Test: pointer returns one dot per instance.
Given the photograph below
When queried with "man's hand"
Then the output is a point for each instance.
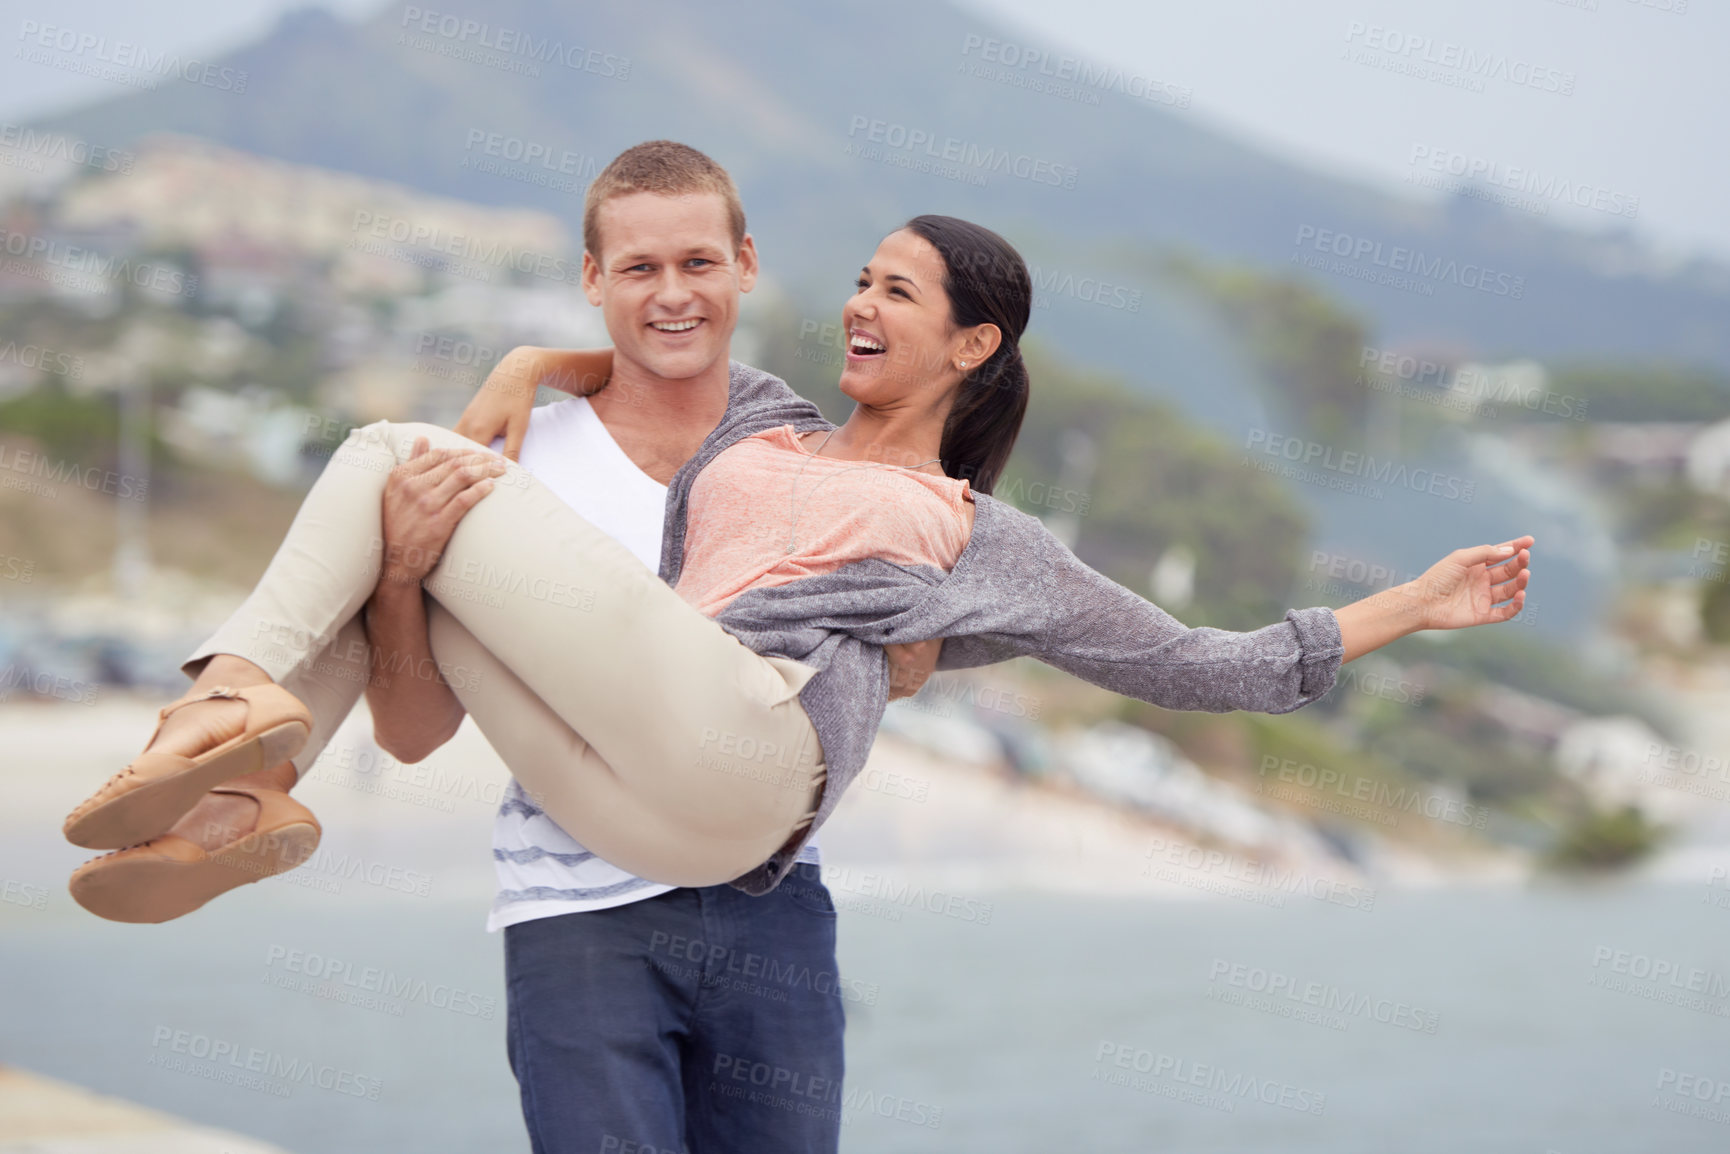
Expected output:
(910, 664)
(424, 498)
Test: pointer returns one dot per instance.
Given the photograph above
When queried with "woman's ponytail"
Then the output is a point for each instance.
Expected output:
(987, 283)
(986, 418)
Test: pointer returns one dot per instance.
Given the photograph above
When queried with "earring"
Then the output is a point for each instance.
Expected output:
(964, 364)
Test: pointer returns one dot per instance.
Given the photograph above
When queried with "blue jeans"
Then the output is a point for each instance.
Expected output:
(702, 1021)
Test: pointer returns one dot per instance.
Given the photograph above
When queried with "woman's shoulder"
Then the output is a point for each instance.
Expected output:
(1001, 520)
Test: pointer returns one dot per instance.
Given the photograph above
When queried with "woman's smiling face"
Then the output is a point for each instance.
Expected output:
(901, 339)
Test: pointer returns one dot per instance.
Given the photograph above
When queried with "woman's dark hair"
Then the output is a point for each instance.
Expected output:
(987, 283)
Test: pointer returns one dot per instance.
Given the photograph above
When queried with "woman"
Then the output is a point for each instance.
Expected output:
(699, 735)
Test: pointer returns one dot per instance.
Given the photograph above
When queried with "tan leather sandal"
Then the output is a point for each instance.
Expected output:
(146, 798)
(170, 876)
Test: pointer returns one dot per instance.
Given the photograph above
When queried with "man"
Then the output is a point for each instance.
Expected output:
(632, 1005)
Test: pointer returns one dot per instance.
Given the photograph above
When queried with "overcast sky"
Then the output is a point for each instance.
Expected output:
(1646, 117)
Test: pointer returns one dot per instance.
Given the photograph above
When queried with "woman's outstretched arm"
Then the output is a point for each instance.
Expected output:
(502, 405)
(1031, 596)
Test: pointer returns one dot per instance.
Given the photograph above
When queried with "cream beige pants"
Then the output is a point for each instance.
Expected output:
(642, 727)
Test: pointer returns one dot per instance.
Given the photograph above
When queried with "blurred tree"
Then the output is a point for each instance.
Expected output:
(1602, 840)
(1157, 482)
(1715, 611)
(1636, 392)
(1309, 345)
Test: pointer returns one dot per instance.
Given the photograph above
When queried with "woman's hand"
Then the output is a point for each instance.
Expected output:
(502, 405)
(504, 401)
(910, 665)
(1477, 586)
(424, 498)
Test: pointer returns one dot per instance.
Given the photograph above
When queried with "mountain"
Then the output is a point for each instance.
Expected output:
(841, 119)
(779, 90)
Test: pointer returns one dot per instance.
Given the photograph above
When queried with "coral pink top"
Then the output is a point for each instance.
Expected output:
(768, 511)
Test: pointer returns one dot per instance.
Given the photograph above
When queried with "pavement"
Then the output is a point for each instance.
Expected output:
(43, 1116)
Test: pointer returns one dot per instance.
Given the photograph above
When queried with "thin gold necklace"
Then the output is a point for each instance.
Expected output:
(793, 525)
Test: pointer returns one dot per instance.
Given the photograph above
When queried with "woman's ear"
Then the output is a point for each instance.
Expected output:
(978, 344)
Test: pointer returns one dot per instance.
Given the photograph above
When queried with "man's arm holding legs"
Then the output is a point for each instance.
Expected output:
(414, 710)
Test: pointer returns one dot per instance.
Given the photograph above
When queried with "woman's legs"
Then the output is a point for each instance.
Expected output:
(695, 726)
(629, 823)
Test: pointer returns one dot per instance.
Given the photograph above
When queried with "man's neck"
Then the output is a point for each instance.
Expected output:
(661, 423)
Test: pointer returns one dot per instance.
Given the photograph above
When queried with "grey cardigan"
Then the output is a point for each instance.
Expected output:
(1016, 591)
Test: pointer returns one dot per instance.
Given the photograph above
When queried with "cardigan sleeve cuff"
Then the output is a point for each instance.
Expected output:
(1320, 648)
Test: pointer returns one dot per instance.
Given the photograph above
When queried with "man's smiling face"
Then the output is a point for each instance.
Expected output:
(668, 280)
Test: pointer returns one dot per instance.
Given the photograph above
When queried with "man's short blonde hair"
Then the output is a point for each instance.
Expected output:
(665, 167)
